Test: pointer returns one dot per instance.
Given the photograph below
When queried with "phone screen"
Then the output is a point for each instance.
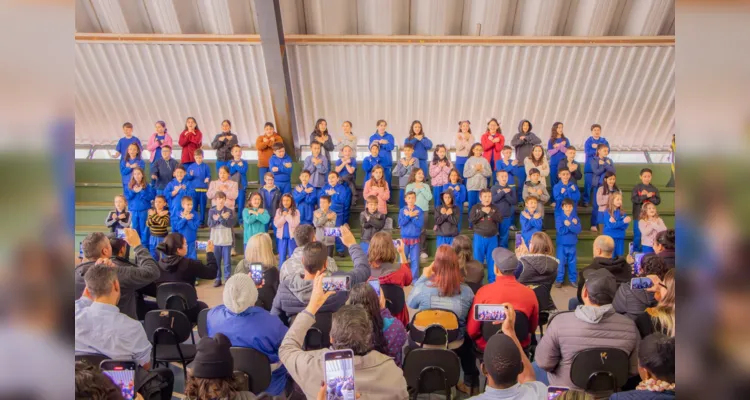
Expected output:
(332, 232)
(256, 272)
(80, 250)
(641, 283)
(201, 245)
(519, 240)
(554, 392)
(122, 374)
(120, 233)
(489, 312)
(375, 285)
(396, 243)
(638, 262)
(336, 283)
(339, 371)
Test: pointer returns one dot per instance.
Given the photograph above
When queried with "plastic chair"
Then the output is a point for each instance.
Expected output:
(255, 365)
(423, 329)
(395, 300)
(600, 369)
(431, 370)
(167, 330)
(178, 296)
(319, 335)
(203, 322)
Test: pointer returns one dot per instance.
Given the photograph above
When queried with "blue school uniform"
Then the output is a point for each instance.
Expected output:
(189, 229)
(460, 196)
(555, 158)
(421, 151)
(271, 201)
(530, 226)
(576, 175)
(500, 165)
(175, 202)
(139, 204)
(506, 204)
(283, 176)
(127, 172)
(319, 173)
(285, 244)
(597, 179)
(163, 170)
(340, 204)
(236, 168)
(566, 240)
(411, 229)
(616, 230)
(305, 202)
(588, 172)
(386, 153)
(571, 192)
(370, 162)
(345, 172)
(124, 143)
(197, 175)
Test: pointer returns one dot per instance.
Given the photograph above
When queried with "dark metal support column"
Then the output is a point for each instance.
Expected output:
(277, 70)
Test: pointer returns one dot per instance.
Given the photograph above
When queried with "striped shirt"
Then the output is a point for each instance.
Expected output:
(158, 225)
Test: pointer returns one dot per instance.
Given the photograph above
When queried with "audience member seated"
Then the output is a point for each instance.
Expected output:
(294, 293)
(92, 384)
(377, 375)
(388, 333)
(249, 326)
(604, 246)
(633, 302)
(100, 327)
(132, 277)
(595, 324)
(662, 317)
(303, 234)
(441, 286)
(508, 370)
(471, 269)
(664, 246)
(175, 267)
(382, 256)
(259, 249)
(505, 289)
(537, 265)
(211, 374)
(656, 365)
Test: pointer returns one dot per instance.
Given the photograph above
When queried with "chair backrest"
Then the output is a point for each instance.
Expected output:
(475, 286)
(319, 335)
(395, 300)
(203, 322)
(543, 294)
(255, 365)
(431, 370)
(600, 369)
(167, 327)
(91, 359)
(426, 321)
(178, 296)
(521, 327)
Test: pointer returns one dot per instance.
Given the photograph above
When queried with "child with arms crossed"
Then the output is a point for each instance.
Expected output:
(305, 197)
(372, 221)
(286, 220)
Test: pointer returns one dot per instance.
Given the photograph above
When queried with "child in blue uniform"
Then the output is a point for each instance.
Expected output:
(305, 197)
(186, 223)
(281, 167)
(411, 222)
(387, 143)
(422, 144)
(271, 196)
(505, 199)
(123, 144)
(572, 165)
(346, 167)
(372, 160)
(139, 195)
(564, 189)
(340, 203)
(591, 148)
(162, 170)
(599, 165)
(199, 174)
(568, 227)
(556, 147)
(238, 169)
(286, 220)
(318, 166)
(459, 193)
(176, 190)
(616, 224)
(531, 219)
(131, 160)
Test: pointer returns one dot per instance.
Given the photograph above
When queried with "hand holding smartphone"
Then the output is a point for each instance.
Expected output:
(554, 392)
(490, 312)
(120, 233)
(201, 245)
(122, 374)
(256, 272)
(375, 285)
(332, 232)
(338, 367)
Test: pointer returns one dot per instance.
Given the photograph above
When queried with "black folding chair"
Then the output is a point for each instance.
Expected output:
(178, 296)
(91, 359)
(319, 335)
(435, 334)
(431, 370)
(167, 330)
(600, 369)
(203, 322)
(255, 365)
(489, 329)
(395, 300)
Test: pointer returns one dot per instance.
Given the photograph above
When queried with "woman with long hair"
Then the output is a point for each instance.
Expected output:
(664, 246)
(259, 250)
(389, 334)
(382, 255)
(660, 318)
(538, 265)
(320, 134)
(422, 144)
(537, 159)
(471, 269)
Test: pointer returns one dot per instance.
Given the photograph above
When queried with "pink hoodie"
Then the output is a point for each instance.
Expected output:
(279, 220)
(153, 144)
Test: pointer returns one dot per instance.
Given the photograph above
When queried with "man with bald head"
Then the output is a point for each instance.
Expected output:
(604, 246)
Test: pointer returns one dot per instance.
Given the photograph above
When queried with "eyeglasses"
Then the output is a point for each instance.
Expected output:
(663, 285)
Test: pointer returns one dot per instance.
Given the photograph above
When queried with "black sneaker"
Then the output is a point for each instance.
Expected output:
(558, 284)
(217, 283)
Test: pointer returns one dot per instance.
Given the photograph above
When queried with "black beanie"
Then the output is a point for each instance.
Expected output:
(213, 359)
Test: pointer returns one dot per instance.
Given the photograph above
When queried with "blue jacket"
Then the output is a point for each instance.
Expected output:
(140, 201)
(571, 192)
(385, 149)
(505, 202)
(591, 152)
(284, 174)
(344, 172)
(530, 226)
(124, 143)
(197, 174)
(370, 162)
(500, 165)
(271, 199)
(420, 147)
(306, 202)
(163, 171)
(411, 227)
(459, 196)
(616, 230)
(319, 173)
(599, 170)
(188, 228)
(423, 293)
(559, 155)
(127, 172)
(175, 202)
(235, 168)
(254, 328)
(341, 200)
(575, 175)
(567, 235)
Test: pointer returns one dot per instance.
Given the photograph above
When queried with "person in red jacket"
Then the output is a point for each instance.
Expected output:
(492, 143)
(191, 139)
(505, 289)
(382, 256)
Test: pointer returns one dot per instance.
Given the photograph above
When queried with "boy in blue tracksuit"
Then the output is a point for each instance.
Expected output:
(564, 189)
(162, 170)
(271, 197)
(591, 148)
(175, 190)
(485, 218)
(569, 162)
(505, 199)
(506, 164)
(346, 167)
(411, 221)
(238, 168)
(372, 160)
(421, 147)
(122, 145)
(599, 165)
(568, 227)
(186, 223)
(340, 203)
(199, 174)
(305, 197)
(387, 143)
(318, 165)
(281, 167)
(531, 219)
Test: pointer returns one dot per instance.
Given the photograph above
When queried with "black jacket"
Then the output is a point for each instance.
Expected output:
(505, 202)
(446, 225)
(182, 269)
(619, 267)
(668, 257)
(224, 148)
(632, 302)
(485, 224)
(163, 171)
(371, 227)
(638, 200)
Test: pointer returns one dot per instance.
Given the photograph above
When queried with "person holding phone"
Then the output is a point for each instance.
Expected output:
(388, 333)
(382, 255)
(259, 252)
(660, 318)
(633, 303)
(656, 366)
(377, 375)
(303, 235)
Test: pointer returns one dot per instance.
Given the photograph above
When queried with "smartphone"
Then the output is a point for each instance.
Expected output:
(120, 233)
(519, 240)
(641, 283)
(122, 374)
(397, 243)
(631, 248)
(489, 312)
(336, 284)
(554, 392)
(256, 272)
(80, 250)
(638, 257)
(201, 245)
(338, 367)
(332, 232)
(375, 285)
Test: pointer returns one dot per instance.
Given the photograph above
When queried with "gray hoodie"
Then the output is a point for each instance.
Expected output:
(524, 147)
(293, 265)
(477, 180)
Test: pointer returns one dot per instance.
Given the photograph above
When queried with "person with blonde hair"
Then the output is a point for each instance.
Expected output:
(660, 318)
(538, 266)
(259, 250)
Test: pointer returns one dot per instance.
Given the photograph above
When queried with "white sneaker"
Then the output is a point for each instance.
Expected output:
(423, 256)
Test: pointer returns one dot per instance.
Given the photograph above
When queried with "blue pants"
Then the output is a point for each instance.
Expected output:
(199, 206)
(388, 175)
(519, 174)
(587, 186)
(191, 250)
(566, 253)
(553, 171)
(647, 249)
(473, 199)
(436, 191)
(240, 204)
(412, 252)
(619, 248)
(425, 168)
(223, 257)
(460, 163)
(138, 222)
(261, 173)
(441, 240)
(364, 246)
(154, 241)
(286, 248)
(483, 247)
(401, 200)
(220, 164)
(636, 236)
(594, 208)
(504, 230)
(284, 187)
